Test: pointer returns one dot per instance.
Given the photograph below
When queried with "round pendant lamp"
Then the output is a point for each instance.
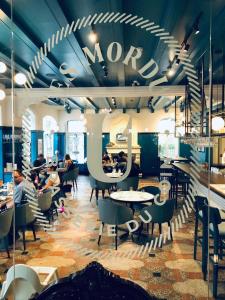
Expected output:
(217, 123)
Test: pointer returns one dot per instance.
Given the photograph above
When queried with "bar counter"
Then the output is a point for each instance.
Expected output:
(216, 181)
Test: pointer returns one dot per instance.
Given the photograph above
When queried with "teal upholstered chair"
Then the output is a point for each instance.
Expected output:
(45, 204)
(5, 223)
(24, 218)
(160, 214)
(113, 214)
(128, 183)
(98, 186)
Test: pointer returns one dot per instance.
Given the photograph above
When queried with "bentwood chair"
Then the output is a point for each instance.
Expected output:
(113, 214)
(24, 218)
(5, 223)
(128, 183)
(160, 214)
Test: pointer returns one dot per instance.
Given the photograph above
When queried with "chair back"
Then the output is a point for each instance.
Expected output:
(45, 201)
(160, 213)
(93, 183)
(103, 185)
(68, 176)
(5, 222)
(75, 173)
(22, 280)
(154, 190)
(23, 215)
(113, 214)
(127, 183)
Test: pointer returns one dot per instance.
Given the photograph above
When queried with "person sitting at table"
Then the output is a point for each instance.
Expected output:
(106, 158)
(19, 195)
(135, 169)
(68, 163)
(39, 161)
(52, 180)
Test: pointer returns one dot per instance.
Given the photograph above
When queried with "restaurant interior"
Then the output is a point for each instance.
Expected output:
(112, 149)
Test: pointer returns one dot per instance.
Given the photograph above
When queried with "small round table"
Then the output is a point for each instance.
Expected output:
(114, 174)
(131, 196)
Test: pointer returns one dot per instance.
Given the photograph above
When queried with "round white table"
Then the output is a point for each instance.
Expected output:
(114, 174)
(131, 196)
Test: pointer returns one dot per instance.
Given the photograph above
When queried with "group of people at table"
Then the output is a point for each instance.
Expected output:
(119, 164)
(43, 176)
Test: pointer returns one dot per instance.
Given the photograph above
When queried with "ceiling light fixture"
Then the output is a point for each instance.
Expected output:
(170, 72)
(93, 37)
(2, 95)
(3, 67)
(197, 30)
(217, 123)
(20, 78)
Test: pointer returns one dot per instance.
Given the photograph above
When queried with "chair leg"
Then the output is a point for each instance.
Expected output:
(76, 183)
(24, 240)
(153, 227)
(215, 279)
(92, 191)
(196, 237)
(103, 194)
(99, 237)
(160, 228)
(171, 235)
(34, 233)
(116, 231)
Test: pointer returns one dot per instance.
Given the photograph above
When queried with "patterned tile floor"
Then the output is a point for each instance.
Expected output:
(168, 272)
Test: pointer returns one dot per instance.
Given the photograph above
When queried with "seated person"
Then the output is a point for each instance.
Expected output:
(69, 165)
(106, 158)
(122, 157)
(19, 187)
(52, 180)
(39, 161)
(135, 169)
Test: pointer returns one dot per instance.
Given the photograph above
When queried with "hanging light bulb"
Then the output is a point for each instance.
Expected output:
(93, 37)
(3, 67)
(20, 78)
(217, 123)
(2, 95)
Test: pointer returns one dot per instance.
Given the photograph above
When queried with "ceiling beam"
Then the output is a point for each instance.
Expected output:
(58, 12)
(94, 92)
(96, 107)
(19, 65)
(24, 38)
(76, 103)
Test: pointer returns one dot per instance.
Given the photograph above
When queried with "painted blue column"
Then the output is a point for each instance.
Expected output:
(35, 136)
(105, 140)
(59, 143)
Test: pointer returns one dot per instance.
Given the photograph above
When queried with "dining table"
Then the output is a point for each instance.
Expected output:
(131, 197)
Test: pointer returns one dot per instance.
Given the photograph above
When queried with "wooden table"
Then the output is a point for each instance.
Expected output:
(216, 181)
(184, 167)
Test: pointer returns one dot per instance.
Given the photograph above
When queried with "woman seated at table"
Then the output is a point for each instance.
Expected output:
(135, 169)
(52, 180)
(68, 163)
(106, 163)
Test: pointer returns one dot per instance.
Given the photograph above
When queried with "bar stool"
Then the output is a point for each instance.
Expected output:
(200, 216)
(181, 185)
